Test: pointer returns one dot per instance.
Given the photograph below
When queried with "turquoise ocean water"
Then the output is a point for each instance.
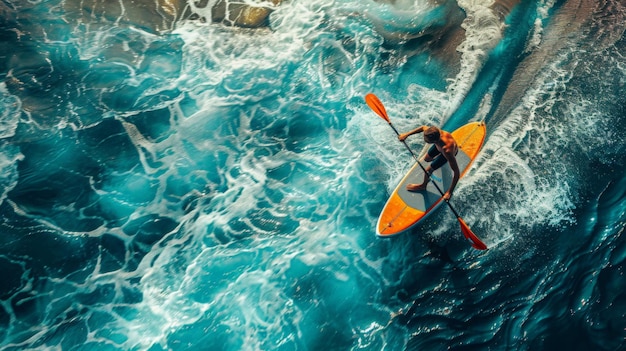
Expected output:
(198, 186)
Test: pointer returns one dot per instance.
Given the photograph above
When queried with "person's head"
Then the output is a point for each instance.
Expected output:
(431, 135)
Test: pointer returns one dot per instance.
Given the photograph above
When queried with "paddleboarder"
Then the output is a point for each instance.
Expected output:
(443, 150)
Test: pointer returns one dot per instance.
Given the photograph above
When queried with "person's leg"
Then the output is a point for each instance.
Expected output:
(423, 185)
(432, 154)
(438, 162)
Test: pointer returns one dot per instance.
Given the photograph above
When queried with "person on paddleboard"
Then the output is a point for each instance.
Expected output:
(443, 151)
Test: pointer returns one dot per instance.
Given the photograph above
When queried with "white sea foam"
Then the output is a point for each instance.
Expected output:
(201, 269)
(536, 35)
(10, 110)
(483, 31)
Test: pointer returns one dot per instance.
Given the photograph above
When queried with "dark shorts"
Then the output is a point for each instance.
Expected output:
(438, 159)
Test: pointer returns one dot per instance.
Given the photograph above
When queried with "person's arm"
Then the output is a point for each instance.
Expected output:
(456, 174)
(403, 136)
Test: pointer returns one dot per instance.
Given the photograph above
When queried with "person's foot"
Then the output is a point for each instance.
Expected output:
(416, 187)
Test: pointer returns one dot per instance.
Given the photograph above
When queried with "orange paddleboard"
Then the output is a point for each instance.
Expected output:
(404, 209)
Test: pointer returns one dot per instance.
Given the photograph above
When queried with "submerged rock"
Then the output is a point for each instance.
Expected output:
(503, 7)
(163, 15)
(151, 15)
(242, 14)
(436, 29)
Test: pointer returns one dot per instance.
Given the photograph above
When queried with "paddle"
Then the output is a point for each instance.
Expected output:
(377, 106)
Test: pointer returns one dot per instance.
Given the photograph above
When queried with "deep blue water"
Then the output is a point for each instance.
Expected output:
(210, 187)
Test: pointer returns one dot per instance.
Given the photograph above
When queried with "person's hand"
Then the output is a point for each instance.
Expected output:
(447, 196)
(402, 136)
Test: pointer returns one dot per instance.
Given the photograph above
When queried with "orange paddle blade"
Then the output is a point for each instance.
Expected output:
(467, 232)
(374, 103)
